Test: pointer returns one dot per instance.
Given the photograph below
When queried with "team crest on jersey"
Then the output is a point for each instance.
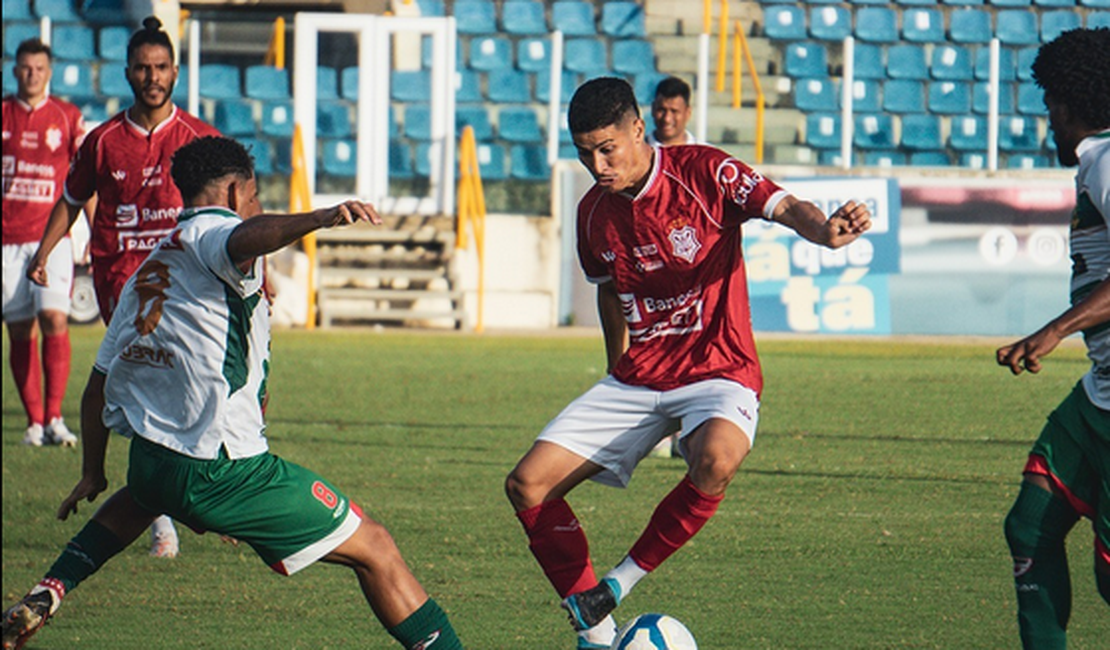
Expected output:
(684, 243)
(53, 138)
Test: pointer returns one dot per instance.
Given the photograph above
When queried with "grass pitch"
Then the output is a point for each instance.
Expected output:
(869, 514)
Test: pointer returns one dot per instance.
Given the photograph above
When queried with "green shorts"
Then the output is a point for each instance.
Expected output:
(290, 516)
(1073, 451)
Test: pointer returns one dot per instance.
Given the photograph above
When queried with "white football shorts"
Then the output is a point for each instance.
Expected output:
(23, 299)
(616, 425)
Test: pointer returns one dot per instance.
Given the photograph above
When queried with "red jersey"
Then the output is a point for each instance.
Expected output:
(39, 142)
(128, 168)
(674, 255)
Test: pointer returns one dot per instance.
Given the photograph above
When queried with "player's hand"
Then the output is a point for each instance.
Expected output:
(36, 272)
(846, 224)
(1026, 354)
(349, 212)
(88, 488)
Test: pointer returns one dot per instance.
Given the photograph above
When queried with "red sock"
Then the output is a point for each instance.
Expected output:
(677, 518)
(557, 540)
(55, 363)
(27, 372)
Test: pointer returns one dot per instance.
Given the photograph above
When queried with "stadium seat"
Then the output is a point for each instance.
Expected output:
(1030, 99)
(94, 112)
(868, 61)
(1018, 133)
(476, 117)
(476, 16)
(877, 25)
(568, 81)
(1027, 161)
(418, 122)
(234, 117)
(806, 59)
(962, 3)
(874, 132)
(951, 63)
(327, 83)
(72, 79)
(573, 18)
(17, 10)
(74, 42)
(1097, 19)
(1097, 4)
(180, 89)
(786, 22)
(823, 131)
(267, 82)
(950, 97)
(277, 119)
(529, 163)
(633, 56)
(102, 12)
(339, 158)
(423, 167)
(980, 98)
(491, 53)
(1006, 64)
(929, 159)
(906, 62)
(468, 87)
(568, 152)
(519, 124)
(283, 156)
(1054, 3)
(623, 19)
(914, 3)
(426, 47)
(411, 86)
(431, 7)
(59, 11)
(970, 26)
(219, 81)
(10, 85)
(1054, 23)
(263, 153)
(868, 2)
(491, 162)
(865, 96)
(829, 23)
(904, 96)
(533, 54)
(884, 159)
(508, 87)
(523, 17)
(113, 81)
(923, 26)
(1017, 27)
(921, 132)
(112, 43)
(973, 160)
(585, 55)
(1011, 3)
(400, 161)
(16, 33)
(829, 157)
(333, 120)
(814, 94)
(968, 133)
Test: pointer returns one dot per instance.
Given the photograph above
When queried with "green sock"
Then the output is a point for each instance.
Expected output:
(1035, 529)
(425, 626)
(86, 552)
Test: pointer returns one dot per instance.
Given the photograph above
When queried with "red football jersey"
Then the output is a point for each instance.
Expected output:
(128, 168)
(674, 255)
(39, 142)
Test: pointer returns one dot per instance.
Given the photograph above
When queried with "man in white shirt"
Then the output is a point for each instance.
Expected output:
(670, 110)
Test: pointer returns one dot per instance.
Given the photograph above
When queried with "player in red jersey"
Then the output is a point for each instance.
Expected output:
(41, 134)
(659, 234)
(125, 163)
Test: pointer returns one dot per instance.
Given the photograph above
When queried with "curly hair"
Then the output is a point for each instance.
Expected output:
(150, 34)
(209, 159)
(1074, 69)
(599, 103)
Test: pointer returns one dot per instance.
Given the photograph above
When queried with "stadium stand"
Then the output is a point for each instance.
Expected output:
(491, 53)
(74, 42)
(806, 59)
(475, 16)
(786, 22)
(969, 26)
(906, 62)
(112, 43)
(529, 163)
(814, 94)
(573, 18)
(476, 117)
(523, 17)
(623, 19)
(633, 56)
(904, 96)
(829, 23)
(219, 81)
(533, 54)
(17, 10)
(508, 87)
(267, 82)
(877, 25)
(823, 130)
(923, 26)
(59, 11)
(874, 132)
(234, 118)
(519, 124)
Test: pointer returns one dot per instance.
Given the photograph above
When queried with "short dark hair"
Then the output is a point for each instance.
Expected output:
(599, 103)
(209, 159)
(151, 33)
(33, 46)
(1074, 69)
(673, 87)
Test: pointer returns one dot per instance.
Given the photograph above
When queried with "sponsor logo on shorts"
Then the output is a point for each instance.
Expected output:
(147, 356)
(744, 412)
(1022, 566)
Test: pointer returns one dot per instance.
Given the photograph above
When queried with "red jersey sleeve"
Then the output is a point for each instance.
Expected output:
(745, 192)
(80, 182)
(595, 268)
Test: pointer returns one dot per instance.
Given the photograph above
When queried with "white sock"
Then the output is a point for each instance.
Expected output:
(162, 527)
(627, 574)
(603, 633)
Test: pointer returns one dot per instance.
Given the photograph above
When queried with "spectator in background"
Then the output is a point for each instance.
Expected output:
(670, 110)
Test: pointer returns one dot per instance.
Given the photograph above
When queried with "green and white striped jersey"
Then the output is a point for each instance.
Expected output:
(1090, 254)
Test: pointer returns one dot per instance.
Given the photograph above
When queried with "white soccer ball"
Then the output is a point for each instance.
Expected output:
(654, 632)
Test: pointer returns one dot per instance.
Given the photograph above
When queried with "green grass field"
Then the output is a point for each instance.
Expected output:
(869, 514)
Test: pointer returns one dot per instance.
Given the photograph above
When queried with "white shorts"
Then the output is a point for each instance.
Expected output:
(23, 299)
(616, 425)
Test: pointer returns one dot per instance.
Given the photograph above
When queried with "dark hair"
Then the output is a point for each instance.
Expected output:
(33, 46)
(1074, 69)
(599, 103)
(209, 159)
(673, 87)
(150, 34)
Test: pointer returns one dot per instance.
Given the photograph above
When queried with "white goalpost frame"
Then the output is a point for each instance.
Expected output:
(375, 65)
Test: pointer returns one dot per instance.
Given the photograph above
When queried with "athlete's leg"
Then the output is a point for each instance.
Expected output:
(27, 371)
(55, 359)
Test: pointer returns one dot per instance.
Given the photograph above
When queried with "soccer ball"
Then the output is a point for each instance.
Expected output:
(654, 632)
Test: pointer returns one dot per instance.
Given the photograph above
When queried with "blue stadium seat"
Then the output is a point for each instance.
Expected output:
(411, 86)
(468, 87)
(94, 111)
(865, 96)
(970, 26)
(1097, 4)
(431, 7)
(59, 11)
(913, 3)
(623, 19)
(929, 159)
(806, 59)
(533, 54)
(573, 18)
(423, 167)
(829, 23)
(1054, 23)
(868, 2)
(951, 63)
(829, 157)
(508, 87)
(633, 56)
(418, 122)
(973, 160)
(644, 86)
(219, 81)
(814, 94)
(568, 152)
(786, 22)
(1011, 3)
(868, 61)
(980, 98)
(17, 10)
(877, 25)
(74, 42)
(923, 26)
(529, 163)
(16, 33)
(112, 43)
(283, 156)
(1018, 133)
(1054, 3)
(474, 116)
(519, 124)
(333, 120)
(921, 132)
(491, 53)
(1030, 99)
(823, 130)
(950, 97)
(72, 79)
(234, 117)
(113, 81)
(1006, 64)
(267, 82)
(904, 96)
(339, 158)
(961, 3)
(874, 132)
(263, 153)
(1017, 27)
(327, 83)
(884, 159)
(180, 89)
(277, 119)
(491, 162)
(523, 17)
(585, 55)
(426, 46)
(476, 16)
(968, 133)
(1027, 161)
(568, 81)
(400, 160)
(1097, 19)
(10, 85)
(1025, 58)
(103, 12)
(906, 62)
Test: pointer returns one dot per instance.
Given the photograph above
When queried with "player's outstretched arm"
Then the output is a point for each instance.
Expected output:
(614, 327)
(1026, 354)
(266, 233)
(840, 229)
(61, 220)
(94, 447)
